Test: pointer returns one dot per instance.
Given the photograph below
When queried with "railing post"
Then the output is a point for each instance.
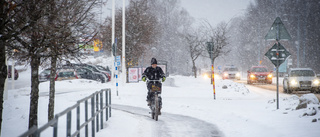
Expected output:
(101, 109)
(78, 119)
(92, 116)
(97, 109)
(69, 124)
(107, 109)
(109, 103)
(55, 127)
(86, 117)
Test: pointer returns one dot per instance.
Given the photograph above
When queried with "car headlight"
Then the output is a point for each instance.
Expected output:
(316, 82)
(238, 75)
(270, 76)
(205, 75)
(225, 74)
(252, 76)
(293, 82)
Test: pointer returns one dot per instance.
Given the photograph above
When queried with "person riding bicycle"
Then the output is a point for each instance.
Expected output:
(153, 73)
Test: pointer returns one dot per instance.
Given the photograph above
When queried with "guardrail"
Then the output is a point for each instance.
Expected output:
(98, 105)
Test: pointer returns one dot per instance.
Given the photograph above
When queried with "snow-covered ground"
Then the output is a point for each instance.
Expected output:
(188, 109)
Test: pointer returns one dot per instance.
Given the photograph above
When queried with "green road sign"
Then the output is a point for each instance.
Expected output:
(283, 33)
(281, 57)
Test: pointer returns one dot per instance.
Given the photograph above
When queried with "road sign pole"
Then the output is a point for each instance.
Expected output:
(214, 89)
(277, 39)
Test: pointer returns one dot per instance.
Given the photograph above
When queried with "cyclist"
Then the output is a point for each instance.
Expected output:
(153, 73)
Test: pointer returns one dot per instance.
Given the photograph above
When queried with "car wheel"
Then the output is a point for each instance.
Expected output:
(289, 91)
(99, 79)
(248, 82)
(285, 89)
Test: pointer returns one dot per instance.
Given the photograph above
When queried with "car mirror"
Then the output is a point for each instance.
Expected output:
(248, 71)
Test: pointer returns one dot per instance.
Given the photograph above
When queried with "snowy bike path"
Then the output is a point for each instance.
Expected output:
(138, 120)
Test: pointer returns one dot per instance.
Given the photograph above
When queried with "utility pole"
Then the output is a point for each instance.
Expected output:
(124, 70)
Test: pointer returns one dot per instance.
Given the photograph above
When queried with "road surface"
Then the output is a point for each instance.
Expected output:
(273, 87)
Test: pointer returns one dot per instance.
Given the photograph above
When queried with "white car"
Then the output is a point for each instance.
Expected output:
(231, 72)
(301, 79)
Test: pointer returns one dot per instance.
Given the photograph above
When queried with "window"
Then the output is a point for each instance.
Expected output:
(302, 73)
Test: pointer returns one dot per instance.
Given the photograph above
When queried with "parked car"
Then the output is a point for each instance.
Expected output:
(301, 79)
(66, 74)
(100, 68)
(259, 74)
(231, 72)
(45, 75)
(16, 74)
(90, 74)
(96, 69)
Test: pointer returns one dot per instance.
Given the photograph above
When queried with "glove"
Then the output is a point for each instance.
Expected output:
(163, 79)
(144, 79)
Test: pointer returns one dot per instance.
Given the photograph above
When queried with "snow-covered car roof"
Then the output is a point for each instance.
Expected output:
(301, 69)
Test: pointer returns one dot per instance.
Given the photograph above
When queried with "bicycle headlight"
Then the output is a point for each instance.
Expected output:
(293, 82)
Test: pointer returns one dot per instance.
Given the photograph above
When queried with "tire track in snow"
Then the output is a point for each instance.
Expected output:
(172, 124)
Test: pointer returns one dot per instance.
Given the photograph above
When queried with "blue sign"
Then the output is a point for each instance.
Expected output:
(118, 58)
(117, 63)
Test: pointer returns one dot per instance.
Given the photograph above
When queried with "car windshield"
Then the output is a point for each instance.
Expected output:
(66, 74)
(47, 71)
(233, 69)
(102, 68)
(259, 70)
(302, 73)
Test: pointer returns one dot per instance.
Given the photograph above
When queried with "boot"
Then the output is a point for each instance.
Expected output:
(159, 111)
(149, 102)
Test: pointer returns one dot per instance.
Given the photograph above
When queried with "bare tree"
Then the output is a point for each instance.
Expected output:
(67, 22)
(218, 36)
(13, 22)
(195, 44)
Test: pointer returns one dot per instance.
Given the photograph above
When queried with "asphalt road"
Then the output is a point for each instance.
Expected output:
(273, 87)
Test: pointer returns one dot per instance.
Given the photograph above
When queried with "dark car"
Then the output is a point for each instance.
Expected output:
(16, 74)
(44, 75)
(66, 74)
(86, 73)
(259, 74)
(96, 69)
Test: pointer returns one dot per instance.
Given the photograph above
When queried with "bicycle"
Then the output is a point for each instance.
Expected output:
(156, 101)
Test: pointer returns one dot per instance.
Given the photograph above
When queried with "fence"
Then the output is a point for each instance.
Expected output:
(96, 111)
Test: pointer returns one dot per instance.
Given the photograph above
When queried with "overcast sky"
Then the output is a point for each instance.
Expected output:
(215, 11)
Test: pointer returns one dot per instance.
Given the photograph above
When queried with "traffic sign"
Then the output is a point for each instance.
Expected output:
(277, 54)
(118, 58)
(117, 64)
(277, 28)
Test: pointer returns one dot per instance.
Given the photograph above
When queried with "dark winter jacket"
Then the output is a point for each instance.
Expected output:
(153, 74)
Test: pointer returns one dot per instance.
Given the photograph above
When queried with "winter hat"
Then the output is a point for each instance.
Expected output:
(153, 61)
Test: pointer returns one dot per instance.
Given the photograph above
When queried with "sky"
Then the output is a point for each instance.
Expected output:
(215, 11)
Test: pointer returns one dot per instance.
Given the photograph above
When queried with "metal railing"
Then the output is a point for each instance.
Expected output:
(97, 108)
